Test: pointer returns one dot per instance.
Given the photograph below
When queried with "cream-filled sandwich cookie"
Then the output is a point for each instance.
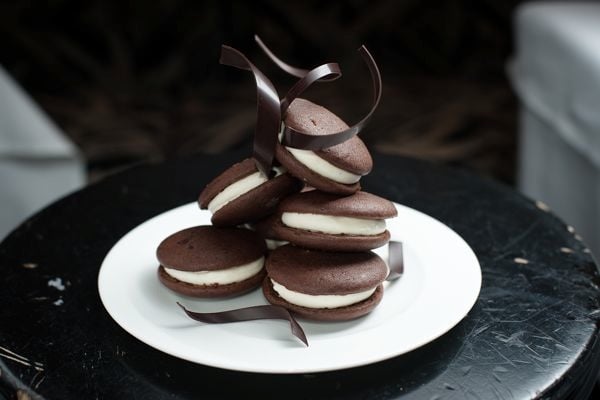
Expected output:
(336, 169)
(242, 194)
(207, 261)
(264, 228)
(325, 221)
(322, 285)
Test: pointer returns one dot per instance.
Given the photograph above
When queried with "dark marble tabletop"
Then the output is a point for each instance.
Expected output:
(533, 332)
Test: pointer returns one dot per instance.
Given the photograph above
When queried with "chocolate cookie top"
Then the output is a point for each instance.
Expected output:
(312, 119)
(226, 178)
(360, 205)
(319, 272)
(208, 248)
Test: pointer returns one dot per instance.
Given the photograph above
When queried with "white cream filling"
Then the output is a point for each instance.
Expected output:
(333, 225)
(323, 167)
(220, 277)
(239, 188)
(320, 300)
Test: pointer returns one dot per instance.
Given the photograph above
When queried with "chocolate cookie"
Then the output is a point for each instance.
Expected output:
(264, 228)
(335, 169)
(242, 194)
(325, 221)
(322, 285)
(206, 261)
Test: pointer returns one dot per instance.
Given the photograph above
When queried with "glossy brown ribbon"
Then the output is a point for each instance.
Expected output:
(268, 119)
(300, 140)
(395, 260)
(249, 314)
(294, 71)
(330, 70)
(325, 72)
(270, 109)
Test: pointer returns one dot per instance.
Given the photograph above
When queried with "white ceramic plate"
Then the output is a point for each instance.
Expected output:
(440, 284)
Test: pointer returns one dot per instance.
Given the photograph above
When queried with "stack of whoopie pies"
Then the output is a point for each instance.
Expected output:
(306, 233)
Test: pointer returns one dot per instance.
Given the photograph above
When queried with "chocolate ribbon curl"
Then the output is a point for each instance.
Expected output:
(249, 314)
(322, 72)
(294, 71)
(325, 72)
(268, 112)
(270, 109)
(300, 140)
(395, 260)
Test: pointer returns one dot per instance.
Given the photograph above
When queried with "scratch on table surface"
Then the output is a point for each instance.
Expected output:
(449, 386)
(515, 340)
(561, 346)
(516, 240)
(512, 339)
(543, 347)
(11, 355)
(39, 382)
(479, 330)
(37, 385)
(508, 360)
(546, 336)
(26, 363)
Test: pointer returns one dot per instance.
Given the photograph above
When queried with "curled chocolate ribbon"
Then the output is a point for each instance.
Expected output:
(270, 109)
(325, 72)
(330, 70)
(294, 71)
(268, 112)
(300, 140)
(395, 260)
(249, 314)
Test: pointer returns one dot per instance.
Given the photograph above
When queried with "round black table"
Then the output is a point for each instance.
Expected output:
(533, 332)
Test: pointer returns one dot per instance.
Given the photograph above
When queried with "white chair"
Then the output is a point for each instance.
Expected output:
(37, 162)
(556, 74)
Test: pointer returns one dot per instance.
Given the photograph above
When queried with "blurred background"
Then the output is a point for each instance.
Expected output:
(132, 82)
